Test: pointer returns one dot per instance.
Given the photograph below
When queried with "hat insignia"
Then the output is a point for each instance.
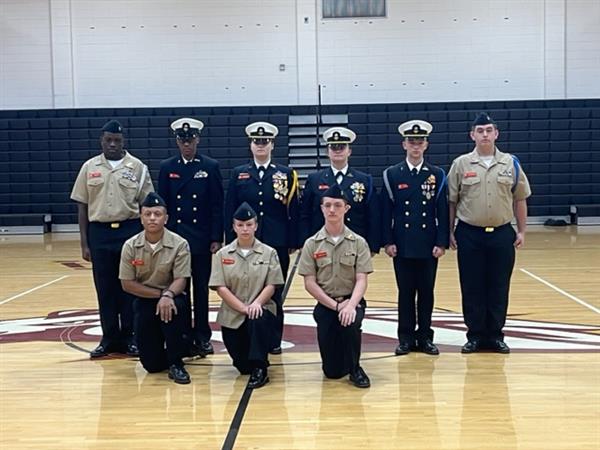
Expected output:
(416, 129)
(336, 136)
(261, 131)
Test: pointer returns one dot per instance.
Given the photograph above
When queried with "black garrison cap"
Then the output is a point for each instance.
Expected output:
(335, 192)
(153, 199)
(112, 126)
(244, 212)
(482, 119)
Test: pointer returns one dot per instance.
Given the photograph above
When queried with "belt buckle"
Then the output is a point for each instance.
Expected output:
(115, 225)
(489, 229)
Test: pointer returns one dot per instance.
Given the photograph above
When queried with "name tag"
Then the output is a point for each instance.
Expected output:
(403, 186)
(94, 174)
(137, 262)
(318, 255)
(470, 174)
(243, 176)
(174, 175)
(228, 261)
(323, 187)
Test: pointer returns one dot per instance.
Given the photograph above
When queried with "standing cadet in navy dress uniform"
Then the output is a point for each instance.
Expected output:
(364, 216)
(192, 187)
(415, 233)
(109, 190)
(272, 191)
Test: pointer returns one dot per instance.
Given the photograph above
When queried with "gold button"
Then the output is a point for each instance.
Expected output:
(424, 202)
(178, 197)
(424, 214)
(262, 213)
(424, 226)
(407, 202)
(348, 219)
(178, 220)
(194, 220)
(179, 208)
(407, 213)
(260, 193)
(260, 184)
(260, 203)
(194, 196)
(195, 209)
(406, 225)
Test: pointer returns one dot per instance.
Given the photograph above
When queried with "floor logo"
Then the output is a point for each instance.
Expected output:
(379, 331)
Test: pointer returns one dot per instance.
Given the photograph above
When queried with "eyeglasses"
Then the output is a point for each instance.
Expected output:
(338, 146)
(261, 141)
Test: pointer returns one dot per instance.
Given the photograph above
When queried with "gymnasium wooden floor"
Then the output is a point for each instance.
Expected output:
(544, 395)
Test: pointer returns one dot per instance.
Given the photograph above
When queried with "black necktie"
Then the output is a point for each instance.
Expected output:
(413, 171)
(261, 172)
(339, 177)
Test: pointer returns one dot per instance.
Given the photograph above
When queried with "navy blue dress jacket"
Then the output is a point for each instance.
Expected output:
(364, 216)
(415, 210)
(274, 198)
(194, 196)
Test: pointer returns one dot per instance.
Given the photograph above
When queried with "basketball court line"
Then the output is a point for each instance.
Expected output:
(29, 291)
(560, 291)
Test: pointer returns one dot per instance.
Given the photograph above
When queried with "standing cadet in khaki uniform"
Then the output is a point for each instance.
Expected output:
(245, 274)
(487, 188)
(335, 263)
(109, 190)
(155, 268)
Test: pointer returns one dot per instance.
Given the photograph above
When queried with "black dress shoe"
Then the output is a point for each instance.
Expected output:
(132, 350)
(179, 375)
(275, 350)
(428, 347)
(207, 348)
(196, 350)
(360, 379)
(99, 352)
(258, 378)
(470, 347)
(499, 346)
(402, 349)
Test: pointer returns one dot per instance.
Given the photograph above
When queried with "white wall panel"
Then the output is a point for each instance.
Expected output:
(25, 55)
(112, 53)
(583, 48)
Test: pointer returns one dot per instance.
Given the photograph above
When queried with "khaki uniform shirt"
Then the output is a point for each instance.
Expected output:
(155, 268)
(245, 276)
(112, 195)
(483, 195)
(335, 265)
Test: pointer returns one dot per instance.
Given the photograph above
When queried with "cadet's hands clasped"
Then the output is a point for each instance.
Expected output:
(346, 313)
(254, 310)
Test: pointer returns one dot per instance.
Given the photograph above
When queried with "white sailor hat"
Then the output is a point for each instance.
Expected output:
(415, 128)
(186, 128)
(263, 130)
(339, 135)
